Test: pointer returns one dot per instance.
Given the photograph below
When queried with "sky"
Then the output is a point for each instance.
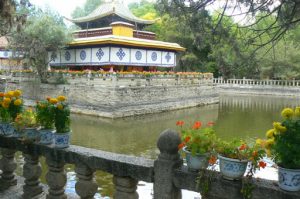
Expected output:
(65, 7)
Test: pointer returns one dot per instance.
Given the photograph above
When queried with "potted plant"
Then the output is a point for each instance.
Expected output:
(283, 146)
(61, 121)
(11, 105)
(5, 127)
(197, 144)
(235, 155)
(45, 113)
(26, 124)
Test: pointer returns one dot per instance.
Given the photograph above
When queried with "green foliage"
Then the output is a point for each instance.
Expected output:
(62, 118)
(43, 32)
(198, 140)
(89, 6)
(45, 114)
(4, 115)
(26, 119)
(286, 148)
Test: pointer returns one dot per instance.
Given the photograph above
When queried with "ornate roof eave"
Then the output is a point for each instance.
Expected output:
(108, 9)
(119, 40)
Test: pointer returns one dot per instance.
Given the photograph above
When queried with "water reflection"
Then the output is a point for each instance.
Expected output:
(235, 116)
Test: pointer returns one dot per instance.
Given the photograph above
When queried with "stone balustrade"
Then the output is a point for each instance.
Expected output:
(292, 83)
(167, 173)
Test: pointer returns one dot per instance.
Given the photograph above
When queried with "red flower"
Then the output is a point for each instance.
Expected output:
(243, 147)
(187, 139)
(181, 145)
(210, 123)
(262, 164)
(212, 160)
(179, 123)
(197, 125)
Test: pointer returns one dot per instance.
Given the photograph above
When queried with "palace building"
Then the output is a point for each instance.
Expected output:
(111, 37)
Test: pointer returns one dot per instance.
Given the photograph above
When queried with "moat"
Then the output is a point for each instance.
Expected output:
(234, 116)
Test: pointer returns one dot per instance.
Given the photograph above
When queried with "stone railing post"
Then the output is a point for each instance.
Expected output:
(8, 166)
(168, 160)
(32, 171)
(56, 179)
(125, 188)
(85, 187)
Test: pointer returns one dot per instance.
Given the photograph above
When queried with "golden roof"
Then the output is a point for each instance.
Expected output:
(128, 41)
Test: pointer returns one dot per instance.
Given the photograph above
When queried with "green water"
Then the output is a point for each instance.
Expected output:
(234, 116)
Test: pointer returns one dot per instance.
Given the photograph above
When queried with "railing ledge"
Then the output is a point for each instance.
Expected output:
(225, 189)
(117, 164)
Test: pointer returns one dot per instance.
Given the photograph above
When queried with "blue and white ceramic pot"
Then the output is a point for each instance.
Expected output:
(46, 136)
(289, 179)
(61, 140)
(232, 169)
(7, 129)
(30, 133)
(195, 162)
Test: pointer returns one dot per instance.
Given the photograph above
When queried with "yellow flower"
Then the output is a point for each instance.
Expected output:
(4, 105)
(18, 102)
(259, 141)
(279, 127)
(287, 113)
(53, 101)
(61, 98)
(60, 106)
(270, 133)
(10, 93)
(297, 111)
(269, 142)
(7, 100)
(17, 93)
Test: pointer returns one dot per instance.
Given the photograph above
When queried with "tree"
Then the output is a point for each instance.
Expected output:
(13, 15)
(287, 15)
(43, 32)
(89, 6)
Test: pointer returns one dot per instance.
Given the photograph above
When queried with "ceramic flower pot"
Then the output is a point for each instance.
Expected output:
(30, 133)
(61, 140)
(195, 162)
(289, 179)
(46, 136)
(7, 129)
(232, 169)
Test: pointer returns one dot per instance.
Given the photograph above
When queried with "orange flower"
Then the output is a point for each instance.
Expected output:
(187, 139)
(181, 145)
(212, 160)
(210, 123)
(243, 147)
(254, 154)
(48, 98)
(1, 94)
(179, 123)
(197, 125)
(262, 164)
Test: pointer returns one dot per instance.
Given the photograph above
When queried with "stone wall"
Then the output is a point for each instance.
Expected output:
(275, 90)
(118, 98)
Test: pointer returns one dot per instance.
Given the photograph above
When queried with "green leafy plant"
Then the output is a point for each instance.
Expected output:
(197, 140)
(26, 119)
(13, 102)
(45, 114)
(283, 140)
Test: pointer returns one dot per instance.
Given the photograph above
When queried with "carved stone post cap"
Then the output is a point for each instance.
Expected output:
(168, 142)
